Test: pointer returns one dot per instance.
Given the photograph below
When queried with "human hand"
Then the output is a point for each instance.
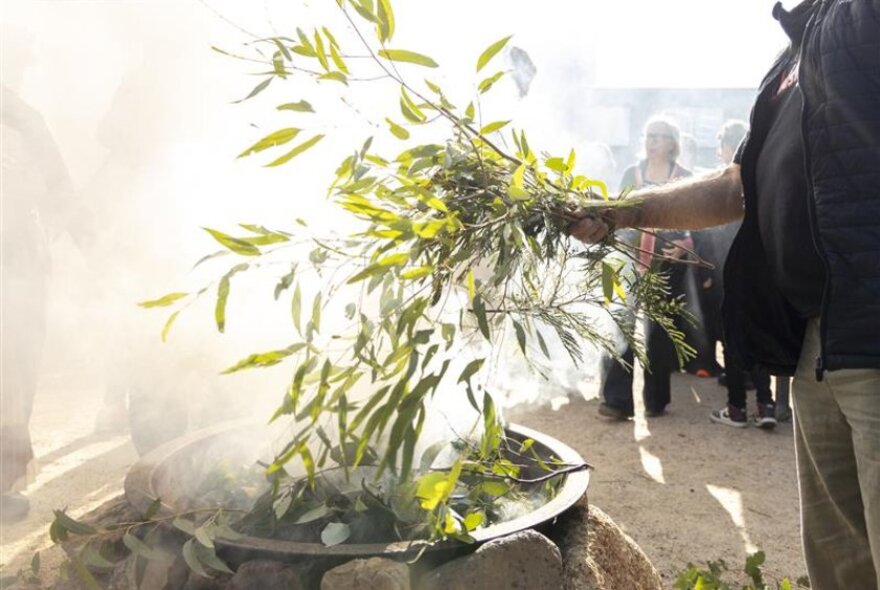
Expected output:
(676, 249)
(707, 284)
(589, 227)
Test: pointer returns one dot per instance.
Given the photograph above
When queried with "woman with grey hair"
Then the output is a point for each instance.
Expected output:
(661, 149)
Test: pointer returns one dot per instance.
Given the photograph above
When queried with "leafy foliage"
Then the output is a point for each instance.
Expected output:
(712, 578)
(460, 242)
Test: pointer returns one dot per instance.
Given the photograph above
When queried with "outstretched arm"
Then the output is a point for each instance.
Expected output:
(712, 199)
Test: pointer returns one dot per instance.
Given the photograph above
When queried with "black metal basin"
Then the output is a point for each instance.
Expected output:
(162, 474)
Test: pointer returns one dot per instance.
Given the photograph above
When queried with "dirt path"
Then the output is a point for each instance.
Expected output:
(684, 488)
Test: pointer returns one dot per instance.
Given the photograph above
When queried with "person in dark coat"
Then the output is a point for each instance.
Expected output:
(802, 280)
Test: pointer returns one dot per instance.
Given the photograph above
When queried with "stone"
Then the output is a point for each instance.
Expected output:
(526, 561)
(261, 574)
(597, 555)
(376, 573)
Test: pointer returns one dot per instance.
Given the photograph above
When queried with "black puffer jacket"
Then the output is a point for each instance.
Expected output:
(838, 45)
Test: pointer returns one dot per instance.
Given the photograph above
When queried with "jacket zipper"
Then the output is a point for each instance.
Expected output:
(811, 208)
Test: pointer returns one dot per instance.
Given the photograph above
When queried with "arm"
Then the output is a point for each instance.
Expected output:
(712, 199)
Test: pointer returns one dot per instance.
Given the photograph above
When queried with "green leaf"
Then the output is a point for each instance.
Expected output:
(257, 89)
(192, 559)
(264, 359)
(300, 107)
(316, 312)
(494, 488)
(168, 324)
(296, 308)
(491, 51)
(203, 536)
(163, 301)
(74, 526)
(542, 344)
(223, 296)
(335, 77)
(607, 282)
(335, 533)
(409, 114)
(402, 55)
(433, 489)
(307, 49)
(517, 190)
(236, 245)
(386, 20)
(416, 273)
(185, 525)
(557, 164)
(337, 60)
(365, 10)
(471, 369)
(314, 514)
(280, 45)
(319, 49)
(520, 336)
(474, 520)
(285, 282)
(83, 573)
(35, 563)
(91, 557)
(138, 547)
(153, 509)
(398, 259)
(209, 558)
(485, 85)
(296, 151)
(480, 312)
(398, 131)
(492, 127)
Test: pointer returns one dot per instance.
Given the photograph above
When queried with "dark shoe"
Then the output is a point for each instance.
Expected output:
(14, 507)
(766, 417)
(655, 413)
(612, 413)
(730, 416)
(722, 379)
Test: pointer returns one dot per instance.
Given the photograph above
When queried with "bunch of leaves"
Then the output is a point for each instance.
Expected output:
(95, 552)
(462, 241)
(712, 577)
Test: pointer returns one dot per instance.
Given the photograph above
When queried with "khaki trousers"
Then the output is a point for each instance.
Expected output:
(837, 443)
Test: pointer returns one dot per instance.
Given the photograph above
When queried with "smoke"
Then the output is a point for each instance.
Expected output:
(139, 110)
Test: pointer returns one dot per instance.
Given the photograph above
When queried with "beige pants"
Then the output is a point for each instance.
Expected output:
(837, 442)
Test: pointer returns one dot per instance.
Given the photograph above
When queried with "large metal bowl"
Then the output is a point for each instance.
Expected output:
(158, 475)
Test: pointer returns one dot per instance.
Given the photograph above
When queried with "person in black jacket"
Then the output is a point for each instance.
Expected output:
(802, 279)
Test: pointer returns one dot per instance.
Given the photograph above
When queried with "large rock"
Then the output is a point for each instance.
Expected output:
(375, 573)
(526, 561)
(597, 555)
(261, 574)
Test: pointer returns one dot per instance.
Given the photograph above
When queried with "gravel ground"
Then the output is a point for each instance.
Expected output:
(686, 489)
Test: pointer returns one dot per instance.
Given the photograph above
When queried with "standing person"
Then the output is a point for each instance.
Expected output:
(658, 167)
(713, 245)
(35, 201)
(802, 280)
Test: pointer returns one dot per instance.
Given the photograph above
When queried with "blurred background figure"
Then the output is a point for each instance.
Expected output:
(36, 204)
(689, 152)
(659, 166)
(713, 245)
